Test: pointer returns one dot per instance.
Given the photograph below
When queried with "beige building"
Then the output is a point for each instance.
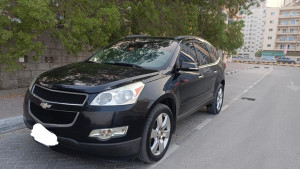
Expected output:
(253, 31)
(282, 33)
(271, 24)
(290, 2)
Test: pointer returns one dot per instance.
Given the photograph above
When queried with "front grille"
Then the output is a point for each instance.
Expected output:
(59, 97)
(52, 116)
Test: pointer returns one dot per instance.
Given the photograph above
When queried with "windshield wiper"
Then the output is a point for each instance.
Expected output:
(123, 64)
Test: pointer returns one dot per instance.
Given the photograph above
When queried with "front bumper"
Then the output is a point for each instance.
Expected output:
(90, 118)
(113, 149)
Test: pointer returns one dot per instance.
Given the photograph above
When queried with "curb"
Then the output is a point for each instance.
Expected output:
(11, 123)
(268, 63)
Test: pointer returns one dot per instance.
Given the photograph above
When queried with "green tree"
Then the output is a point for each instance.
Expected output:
(91, 24)
(79, 25)
(258, 53)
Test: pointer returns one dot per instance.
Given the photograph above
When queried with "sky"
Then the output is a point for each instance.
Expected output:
(274, 3)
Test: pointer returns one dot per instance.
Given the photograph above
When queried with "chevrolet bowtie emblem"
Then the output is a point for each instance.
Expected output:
(45, 105)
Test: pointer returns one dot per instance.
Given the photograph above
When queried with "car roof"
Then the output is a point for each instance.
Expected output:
(177, 38)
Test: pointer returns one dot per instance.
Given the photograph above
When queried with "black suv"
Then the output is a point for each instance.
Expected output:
(285, 60)
(126, 99)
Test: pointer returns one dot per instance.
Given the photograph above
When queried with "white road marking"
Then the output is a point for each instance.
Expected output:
(203, 124)
(225, 107)
(170, 151)
(293, 87)
(254, 84)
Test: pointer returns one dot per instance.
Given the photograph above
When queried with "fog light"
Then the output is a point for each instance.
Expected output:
(106, 134)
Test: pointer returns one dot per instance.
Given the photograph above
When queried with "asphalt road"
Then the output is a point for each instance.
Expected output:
(247, 134)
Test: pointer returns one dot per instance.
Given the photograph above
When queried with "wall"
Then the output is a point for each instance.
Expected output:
(54, 56)
(268, 25)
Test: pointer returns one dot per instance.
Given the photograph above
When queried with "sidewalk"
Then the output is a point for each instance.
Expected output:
(11, 102)
(11, 109)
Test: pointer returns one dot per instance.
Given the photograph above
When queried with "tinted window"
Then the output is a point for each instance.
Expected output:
(214, 54)
(148, 53)
(202, 53)
(188, 48)
(183, 57)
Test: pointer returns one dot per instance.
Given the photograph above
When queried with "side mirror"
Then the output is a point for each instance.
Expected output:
(189, 66)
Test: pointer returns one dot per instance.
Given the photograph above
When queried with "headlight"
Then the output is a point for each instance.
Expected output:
(32, 83)
(120, 96)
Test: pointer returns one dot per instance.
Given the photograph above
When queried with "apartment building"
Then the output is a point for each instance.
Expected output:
(290, 2)
(282, 32)
(253, 31)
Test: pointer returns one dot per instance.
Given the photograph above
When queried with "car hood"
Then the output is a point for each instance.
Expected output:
(92, 77)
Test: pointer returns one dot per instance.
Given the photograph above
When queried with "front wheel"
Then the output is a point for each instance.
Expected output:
(157, 134)
(216, 106)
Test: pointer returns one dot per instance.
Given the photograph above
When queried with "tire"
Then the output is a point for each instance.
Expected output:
(216, 106)
(159, 143)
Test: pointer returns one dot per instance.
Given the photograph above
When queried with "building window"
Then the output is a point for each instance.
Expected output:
(293, 22)
(282, 38)
(270, 30)
(285, 22)
(272, 13)
(281, 46)
(269, 45)
(284, 30)
(292, 30)
(291, 38)
(294, 13)
(286, 13)
(270, 37)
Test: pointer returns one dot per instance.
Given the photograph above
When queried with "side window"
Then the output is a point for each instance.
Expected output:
(188, 48)
(218, 54)
(183, 57)
(214, 54)
(202, 53)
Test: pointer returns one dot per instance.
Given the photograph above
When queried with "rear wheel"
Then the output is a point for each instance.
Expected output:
(217, 104)
(157, 134)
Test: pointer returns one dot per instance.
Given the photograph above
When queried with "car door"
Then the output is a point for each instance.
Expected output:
(207, 67)
(190, 82)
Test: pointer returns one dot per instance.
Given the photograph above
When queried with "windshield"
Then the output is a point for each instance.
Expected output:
(145, 53)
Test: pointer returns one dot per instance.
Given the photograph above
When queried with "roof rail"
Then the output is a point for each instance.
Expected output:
(137, 36)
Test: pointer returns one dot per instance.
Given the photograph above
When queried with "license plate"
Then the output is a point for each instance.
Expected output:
(43, 136)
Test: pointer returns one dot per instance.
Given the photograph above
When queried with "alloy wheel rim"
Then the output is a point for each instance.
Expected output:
(220, 99)
(160, 134)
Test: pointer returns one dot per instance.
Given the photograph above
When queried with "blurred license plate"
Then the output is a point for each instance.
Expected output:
(43, 136)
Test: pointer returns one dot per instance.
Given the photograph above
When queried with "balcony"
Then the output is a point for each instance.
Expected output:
(289, 16)
(288, 41)
(290, 49)
(295, 32)
(288, 25)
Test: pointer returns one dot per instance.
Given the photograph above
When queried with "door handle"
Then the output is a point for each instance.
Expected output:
(215, 72)
(200, 76)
